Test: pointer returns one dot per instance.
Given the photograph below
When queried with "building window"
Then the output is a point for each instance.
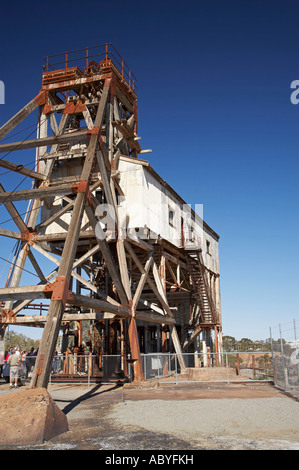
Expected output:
(171, 217)
(191, 233)
(208, 247)
(100, 196)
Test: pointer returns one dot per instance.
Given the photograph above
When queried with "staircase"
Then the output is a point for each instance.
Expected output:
(200, 287)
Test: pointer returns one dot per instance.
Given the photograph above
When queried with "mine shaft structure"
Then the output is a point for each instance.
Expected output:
(103, 273)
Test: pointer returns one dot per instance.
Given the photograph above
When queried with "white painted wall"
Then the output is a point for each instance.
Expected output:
(147, 204)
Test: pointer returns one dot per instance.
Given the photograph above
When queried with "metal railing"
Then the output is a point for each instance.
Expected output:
(82, 58)
(200, 367)
(209, 367)
(87, 368)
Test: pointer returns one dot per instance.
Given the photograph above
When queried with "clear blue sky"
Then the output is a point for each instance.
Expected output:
(214, 105)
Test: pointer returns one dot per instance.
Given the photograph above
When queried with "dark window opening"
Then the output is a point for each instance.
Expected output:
(171, 217)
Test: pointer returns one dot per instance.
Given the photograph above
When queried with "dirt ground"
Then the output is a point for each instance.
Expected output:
(189, 417)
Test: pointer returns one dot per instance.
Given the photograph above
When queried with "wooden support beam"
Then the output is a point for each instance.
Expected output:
(55, 216)
(86, 255)
(22, 293)
(32, 218)
(160, 289)
(122, 261)
(153, 306)
(34, 320)
(175, 260)
(77, 276)
(74, 137)
(148, 279)
(10, 234)
(22, 114)
(37, 193)
(21, 169)
(20, 305)
(173, 331)
(104, 176)
(142, 280)
(97, 304)
(154, 318)
(36, 266)
(171, 272)
(18, 270)
(40, 377)
(192, 338)
(51, 237)
(106, 252)
(13, 212)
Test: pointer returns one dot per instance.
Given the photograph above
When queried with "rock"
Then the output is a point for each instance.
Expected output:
(30, 417)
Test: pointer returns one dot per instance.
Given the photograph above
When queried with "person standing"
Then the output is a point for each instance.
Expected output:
(14, 361)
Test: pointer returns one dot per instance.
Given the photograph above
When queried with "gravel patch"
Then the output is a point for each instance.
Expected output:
(186, 418)
(268, 418)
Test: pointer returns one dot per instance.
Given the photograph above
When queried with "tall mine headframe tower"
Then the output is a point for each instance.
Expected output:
(128, 254)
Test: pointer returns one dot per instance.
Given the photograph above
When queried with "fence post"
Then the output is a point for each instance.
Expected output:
(238, 363)
(176, 369)
(273, 358)
(285, 376)
(296, 348)
(89, 367)
(144, 365)
(227, 374)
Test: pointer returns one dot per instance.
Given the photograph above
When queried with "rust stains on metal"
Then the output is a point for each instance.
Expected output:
(58, 290)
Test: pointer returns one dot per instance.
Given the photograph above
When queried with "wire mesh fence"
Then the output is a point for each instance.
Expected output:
(285, 355)
(208, 367)
(167, 367)
(279, 365)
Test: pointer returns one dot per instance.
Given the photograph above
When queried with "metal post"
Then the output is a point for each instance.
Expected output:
(283, 361)
(238, 363)
(296, 346)
(144, 365)
(176, 368)
(227, 374)
(273, 358)
(89, 367)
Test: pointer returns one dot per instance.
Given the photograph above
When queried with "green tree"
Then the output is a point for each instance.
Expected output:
(229, 343)
(245, 344)
(13, 339)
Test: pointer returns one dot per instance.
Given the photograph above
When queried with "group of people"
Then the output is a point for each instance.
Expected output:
(19, 364)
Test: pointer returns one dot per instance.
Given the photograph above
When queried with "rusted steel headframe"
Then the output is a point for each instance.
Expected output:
(67, 90)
